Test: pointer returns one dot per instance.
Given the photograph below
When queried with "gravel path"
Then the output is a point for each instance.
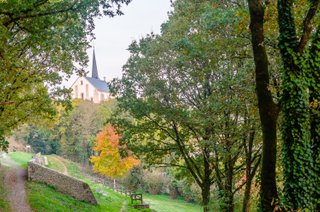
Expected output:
(15, 182)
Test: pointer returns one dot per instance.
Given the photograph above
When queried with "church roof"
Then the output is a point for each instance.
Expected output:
(98, 84)
(94, 80)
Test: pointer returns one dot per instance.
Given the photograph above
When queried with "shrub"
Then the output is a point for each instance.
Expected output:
(184, 189)
(155, 181)
(173, 189)
(196, 191)
(133, 180)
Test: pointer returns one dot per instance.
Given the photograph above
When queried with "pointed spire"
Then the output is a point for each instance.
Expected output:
(94, 66)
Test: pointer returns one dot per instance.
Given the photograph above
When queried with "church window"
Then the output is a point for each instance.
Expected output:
(76, 91)
(87, 91)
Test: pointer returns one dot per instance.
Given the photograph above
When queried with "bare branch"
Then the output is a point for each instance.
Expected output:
(307, 25)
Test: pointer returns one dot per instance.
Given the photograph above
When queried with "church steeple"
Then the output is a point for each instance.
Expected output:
(94, 66)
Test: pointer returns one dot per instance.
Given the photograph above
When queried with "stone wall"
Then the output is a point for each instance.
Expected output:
(63, 183)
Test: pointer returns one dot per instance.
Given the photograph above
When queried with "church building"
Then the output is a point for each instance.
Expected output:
(91, 88)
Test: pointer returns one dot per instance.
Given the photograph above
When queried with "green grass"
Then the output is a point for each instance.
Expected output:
(74, 171)
(21, 158)
(4, 204)
(53, 163)
(45, 198)
(163, 203)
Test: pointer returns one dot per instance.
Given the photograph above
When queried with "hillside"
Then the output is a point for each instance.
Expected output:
(44, 198)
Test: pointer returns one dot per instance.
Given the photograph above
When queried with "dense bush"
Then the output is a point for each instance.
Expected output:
(133, 181)
(42, 140)
(173, 189)
(155, 181)
(184, 188)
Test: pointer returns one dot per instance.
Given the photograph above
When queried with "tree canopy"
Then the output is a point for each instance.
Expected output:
(189, 101)
(41, 42)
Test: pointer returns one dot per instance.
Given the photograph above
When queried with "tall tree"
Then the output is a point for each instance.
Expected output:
(41, 42)
(268, 109)
(79, 127)
(300, 128)
(185, 95)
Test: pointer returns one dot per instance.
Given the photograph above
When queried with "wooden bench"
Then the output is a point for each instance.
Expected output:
(138, 197)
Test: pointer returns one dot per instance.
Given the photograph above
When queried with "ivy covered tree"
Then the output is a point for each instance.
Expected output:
(299, 46)
(41, 42)
(298, 25)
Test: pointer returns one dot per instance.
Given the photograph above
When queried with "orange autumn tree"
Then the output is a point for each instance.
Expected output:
(109, 161)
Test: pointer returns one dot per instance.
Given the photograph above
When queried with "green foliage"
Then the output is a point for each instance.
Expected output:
(42, 140)
(42, 42)
(155, 181)
(78, 129)
(133, 179)
(300, 92)
(69, 133)
(4, 204)
(184, 188)
(4, 144)
(187, 101)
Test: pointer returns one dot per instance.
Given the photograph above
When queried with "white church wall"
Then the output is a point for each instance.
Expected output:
(83, 89)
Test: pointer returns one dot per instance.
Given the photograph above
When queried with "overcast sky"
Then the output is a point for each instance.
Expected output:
(114, 35)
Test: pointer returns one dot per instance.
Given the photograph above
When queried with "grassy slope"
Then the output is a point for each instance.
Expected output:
(4, 204)
(44, 198)
(54, 164)
(21, 158)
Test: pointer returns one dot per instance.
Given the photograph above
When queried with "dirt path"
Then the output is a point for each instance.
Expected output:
(15, 182)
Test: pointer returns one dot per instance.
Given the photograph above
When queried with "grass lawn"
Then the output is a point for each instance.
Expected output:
(45, 198)
(21, 158)
(55, 163)
(163, 203)
(4, 204)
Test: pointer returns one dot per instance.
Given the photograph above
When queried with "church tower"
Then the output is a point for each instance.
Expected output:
(91, 88)
(94, 66)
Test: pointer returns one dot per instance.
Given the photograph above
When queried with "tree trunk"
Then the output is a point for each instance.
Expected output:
(205, 193)
(297, 152)
(205, 188)
(228, 198)
(268, 110)
(246, 199)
